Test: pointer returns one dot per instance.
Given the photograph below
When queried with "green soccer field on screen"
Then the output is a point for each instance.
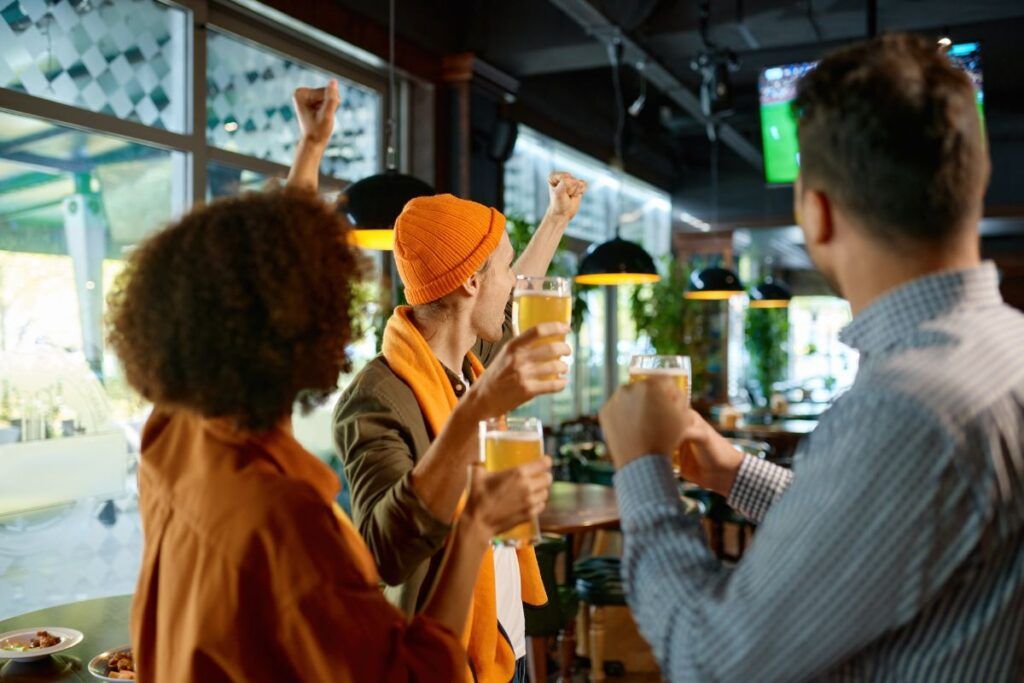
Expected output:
(777, 89)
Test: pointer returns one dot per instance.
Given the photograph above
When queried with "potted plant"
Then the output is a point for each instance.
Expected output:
(766, 333)
(677, 325)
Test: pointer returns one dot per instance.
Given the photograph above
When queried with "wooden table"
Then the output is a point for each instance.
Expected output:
(573, 509)
(783, 435)
(804, 411)
(103, 621)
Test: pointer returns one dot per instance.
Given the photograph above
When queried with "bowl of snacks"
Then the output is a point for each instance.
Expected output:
(34, 644)
(114, 665)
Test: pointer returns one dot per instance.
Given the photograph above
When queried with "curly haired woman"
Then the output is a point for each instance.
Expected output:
(250, 572)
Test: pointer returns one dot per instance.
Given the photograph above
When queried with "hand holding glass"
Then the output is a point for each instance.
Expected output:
(507, 442)
(543, 300)
(675, 367)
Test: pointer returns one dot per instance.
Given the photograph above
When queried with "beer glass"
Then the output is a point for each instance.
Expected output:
(676, 367)
(543, 300)
(509, 442)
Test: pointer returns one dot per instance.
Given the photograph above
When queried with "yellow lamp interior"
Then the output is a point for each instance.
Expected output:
(377, 240)
(617, 278)
(712, 295)
(769, 303)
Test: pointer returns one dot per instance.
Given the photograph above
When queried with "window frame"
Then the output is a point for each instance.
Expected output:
(196, 153)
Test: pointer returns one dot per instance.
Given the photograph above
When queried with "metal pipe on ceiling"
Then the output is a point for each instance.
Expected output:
(602, 29)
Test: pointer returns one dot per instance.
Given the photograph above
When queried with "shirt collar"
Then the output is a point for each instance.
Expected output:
(893, 316)
(460, 385)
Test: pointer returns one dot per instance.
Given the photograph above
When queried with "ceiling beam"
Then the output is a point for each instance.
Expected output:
(598, 26)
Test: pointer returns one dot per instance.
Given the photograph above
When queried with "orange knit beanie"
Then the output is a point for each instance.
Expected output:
(440, 241)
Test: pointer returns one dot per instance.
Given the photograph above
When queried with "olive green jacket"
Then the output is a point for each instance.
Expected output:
(380, 434)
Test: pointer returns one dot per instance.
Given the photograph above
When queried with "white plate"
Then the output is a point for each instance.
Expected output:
(98, 665)
(69, 637)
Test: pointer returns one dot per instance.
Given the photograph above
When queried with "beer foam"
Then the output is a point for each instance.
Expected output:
(513, 436)
(546, 295)
(670, 372)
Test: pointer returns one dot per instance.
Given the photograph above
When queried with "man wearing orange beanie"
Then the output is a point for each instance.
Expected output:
(406, 427)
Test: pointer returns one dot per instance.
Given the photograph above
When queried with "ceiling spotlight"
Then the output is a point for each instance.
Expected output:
(716, 91)
(713, 63)
(945, 42)
(641, 99)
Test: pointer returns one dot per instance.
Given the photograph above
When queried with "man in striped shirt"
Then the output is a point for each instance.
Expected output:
(894, 550)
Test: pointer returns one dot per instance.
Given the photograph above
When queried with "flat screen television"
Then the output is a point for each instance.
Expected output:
(777, 90)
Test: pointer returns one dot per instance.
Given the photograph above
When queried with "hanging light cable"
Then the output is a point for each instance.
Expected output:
(617, 261)
(373, 203)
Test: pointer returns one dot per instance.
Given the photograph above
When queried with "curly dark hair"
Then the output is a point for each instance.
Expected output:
(239, 309)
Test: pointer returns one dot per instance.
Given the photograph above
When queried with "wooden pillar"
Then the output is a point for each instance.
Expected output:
(471, 109)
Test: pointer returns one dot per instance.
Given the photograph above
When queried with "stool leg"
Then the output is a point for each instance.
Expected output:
(583, 628)
(537, 659)
(566, 651)
(600, 542)
(597, 643)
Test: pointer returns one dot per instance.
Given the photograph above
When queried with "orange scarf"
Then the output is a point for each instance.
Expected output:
(412, 359)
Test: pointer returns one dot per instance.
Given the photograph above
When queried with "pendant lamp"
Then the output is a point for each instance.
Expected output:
(713, 284)
(617, 261)
(373, 203)
(770, 294)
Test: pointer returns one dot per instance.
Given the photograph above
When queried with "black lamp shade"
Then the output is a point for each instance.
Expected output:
(770, 294)
(617, 262)
(713, 284)
(374, 203)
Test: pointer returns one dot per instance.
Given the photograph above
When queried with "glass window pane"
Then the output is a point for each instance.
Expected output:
(819, 362)
(68, 215)
(644, 217)
(223, 180)
(249, 108)
(72, 204)
(127, 59)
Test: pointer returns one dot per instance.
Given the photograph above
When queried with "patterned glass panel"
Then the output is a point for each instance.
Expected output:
(249, 108)
(125, 58)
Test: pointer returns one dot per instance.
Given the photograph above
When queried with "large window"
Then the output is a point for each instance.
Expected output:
(249, 108)
(614, 201)
(98, 148)
(819, 362)
(125, 59)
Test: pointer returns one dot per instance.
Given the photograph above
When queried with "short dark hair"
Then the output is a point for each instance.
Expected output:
(240, 308)
(889, 129)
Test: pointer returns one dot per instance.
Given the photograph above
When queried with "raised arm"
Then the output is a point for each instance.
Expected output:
(565, 194)
(315, 109)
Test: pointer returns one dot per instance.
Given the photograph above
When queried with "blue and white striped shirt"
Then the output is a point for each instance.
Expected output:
(895, 549)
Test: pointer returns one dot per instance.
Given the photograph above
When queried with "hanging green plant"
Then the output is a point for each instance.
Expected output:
(766, 333)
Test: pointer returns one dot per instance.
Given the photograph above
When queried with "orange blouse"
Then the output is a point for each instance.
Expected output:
(250, 573)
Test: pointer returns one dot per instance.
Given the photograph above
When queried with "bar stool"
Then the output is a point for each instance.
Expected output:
(547, 621)
(598, 585)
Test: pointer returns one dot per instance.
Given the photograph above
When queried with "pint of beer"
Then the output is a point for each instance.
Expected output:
(543, 300)
(675, 367)
(509, 442)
